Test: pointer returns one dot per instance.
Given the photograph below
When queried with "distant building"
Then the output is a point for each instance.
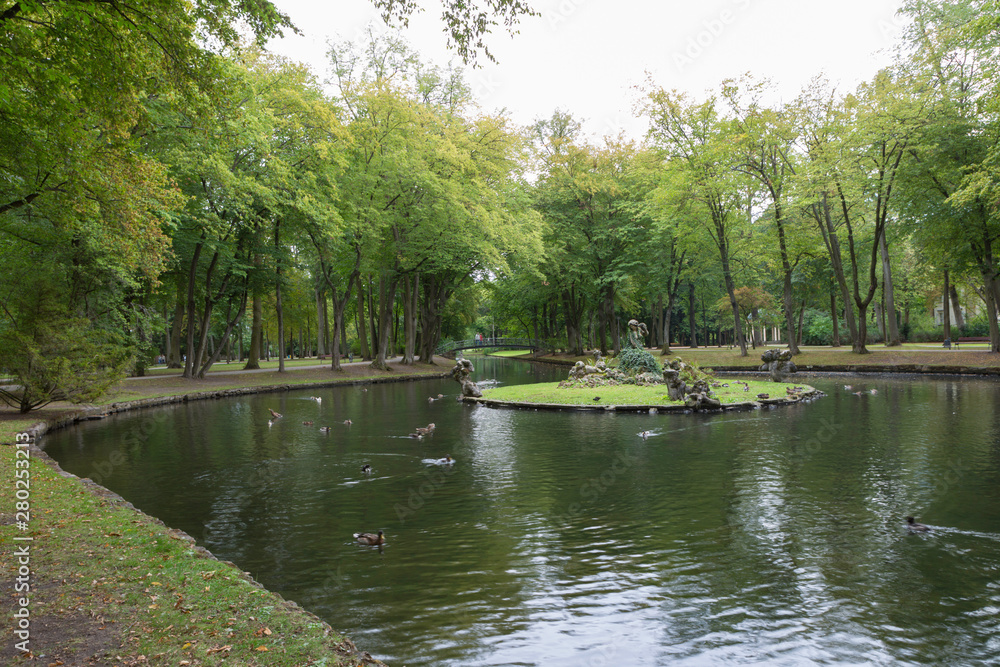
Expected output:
(955, 308)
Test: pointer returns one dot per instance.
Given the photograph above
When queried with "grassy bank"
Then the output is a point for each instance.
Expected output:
(112, 586)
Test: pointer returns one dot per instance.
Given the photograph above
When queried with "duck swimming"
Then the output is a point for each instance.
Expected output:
(348, 422)
(914, 526)
(370, 539)
(366, 469)
(316, 398)
(644, 435)
(446, 461)
(324, 429)
(276, 415)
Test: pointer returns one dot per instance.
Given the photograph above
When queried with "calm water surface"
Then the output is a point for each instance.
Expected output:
(565, 539)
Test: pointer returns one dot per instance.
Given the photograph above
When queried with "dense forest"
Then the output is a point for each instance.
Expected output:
(170, 188)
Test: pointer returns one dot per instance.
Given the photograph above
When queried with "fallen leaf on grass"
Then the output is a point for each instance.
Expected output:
(219, 649)
(261, 648)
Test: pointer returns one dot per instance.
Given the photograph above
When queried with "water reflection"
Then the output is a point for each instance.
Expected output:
(566, 539)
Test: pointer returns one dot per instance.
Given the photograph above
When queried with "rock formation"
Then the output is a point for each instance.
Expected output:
(778, 363)
(460, 373)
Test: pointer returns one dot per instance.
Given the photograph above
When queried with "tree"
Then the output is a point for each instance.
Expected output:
(764, 144)
(696, 138)
(466, 22)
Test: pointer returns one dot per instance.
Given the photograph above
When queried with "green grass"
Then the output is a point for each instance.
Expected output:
(551, 392)
(510, 353)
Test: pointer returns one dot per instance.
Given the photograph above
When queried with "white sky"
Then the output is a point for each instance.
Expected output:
(587, 56)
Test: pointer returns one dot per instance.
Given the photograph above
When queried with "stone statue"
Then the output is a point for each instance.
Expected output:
(460, 373)
(637, 334)
(779, 363)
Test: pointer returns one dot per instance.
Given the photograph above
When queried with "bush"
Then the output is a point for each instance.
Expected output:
(977, 326)
(634, 361)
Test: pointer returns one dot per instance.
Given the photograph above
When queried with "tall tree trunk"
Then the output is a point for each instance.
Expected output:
(174, 356)
(373, 317)
(956, 308)
(879, 319)
(256, 334)
(945, 296)
(320, 322)
(608, 321)
(573, 314)
(411, 287)
(191, 311)
(787, 299)
(824, 219)
(362, 329)
(691, 316)
(277, 296)
(386, 316)
(892, 338)
(704, 321)
(835, 317)
(231, 321)
(602, 329)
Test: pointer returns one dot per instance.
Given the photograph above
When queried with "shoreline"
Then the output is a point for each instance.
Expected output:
(846, 368)
(106, 633)
(671, 408)
(74, 519)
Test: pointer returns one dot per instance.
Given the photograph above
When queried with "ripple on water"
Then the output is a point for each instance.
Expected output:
(772, 537)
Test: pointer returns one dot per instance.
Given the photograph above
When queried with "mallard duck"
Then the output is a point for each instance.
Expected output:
(426, 429)
(416, 436)
(366, 469)
(644, 435)
(348, 422)
(873, 391)
(276, 415)
(913, 525)
(369, 539)
(848, 387)
(316, 398)
(270, 423)
(324, 429)
(446, 461)
(307, 423)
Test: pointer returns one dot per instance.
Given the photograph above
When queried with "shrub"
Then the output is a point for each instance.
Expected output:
(634, 361)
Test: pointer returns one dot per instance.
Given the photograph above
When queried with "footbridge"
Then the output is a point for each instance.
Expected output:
(490, 343)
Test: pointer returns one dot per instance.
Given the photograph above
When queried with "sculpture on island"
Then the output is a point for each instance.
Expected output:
(779, 363)
(697, 395)
(581, 370)
(637, 334)
(461, 372)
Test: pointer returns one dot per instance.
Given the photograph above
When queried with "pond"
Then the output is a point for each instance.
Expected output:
(564, 538)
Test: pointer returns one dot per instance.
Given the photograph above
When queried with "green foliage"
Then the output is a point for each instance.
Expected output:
(466, 22)
(54, 355)
(635, 361)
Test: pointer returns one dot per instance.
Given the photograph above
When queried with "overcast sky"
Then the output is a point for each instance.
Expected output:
(587, 56)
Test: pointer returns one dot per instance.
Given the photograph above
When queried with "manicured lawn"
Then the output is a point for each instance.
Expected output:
(552, 393)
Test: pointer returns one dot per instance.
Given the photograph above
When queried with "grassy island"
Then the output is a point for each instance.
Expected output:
(551, 393)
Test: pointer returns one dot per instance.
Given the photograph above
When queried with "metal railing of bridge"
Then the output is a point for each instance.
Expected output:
(492, 343)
